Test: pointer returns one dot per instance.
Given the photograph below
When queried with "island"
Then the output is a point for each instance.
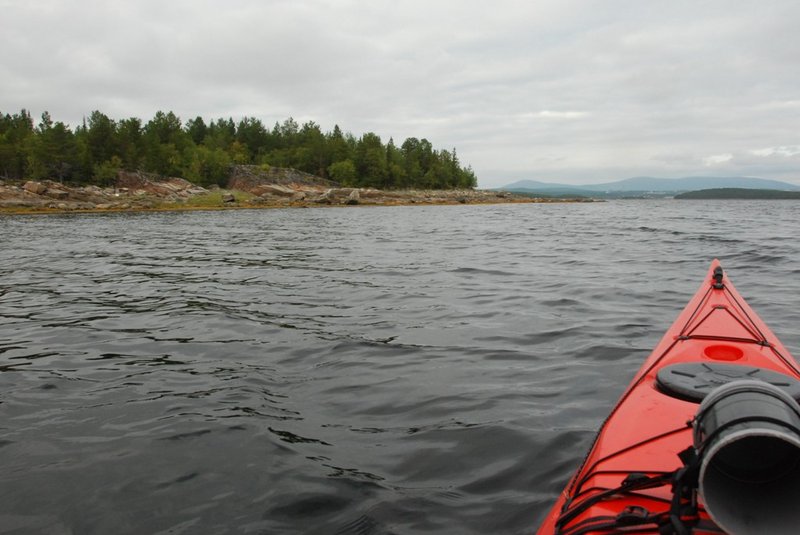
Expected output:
(168, 164)
(739, 193)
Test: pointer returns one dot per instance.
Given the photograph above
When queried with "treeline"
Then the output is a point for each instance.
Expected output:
(203, 152)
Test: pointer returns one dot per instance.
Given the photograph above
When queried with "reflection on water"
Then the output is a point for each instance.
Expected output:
(377, 370)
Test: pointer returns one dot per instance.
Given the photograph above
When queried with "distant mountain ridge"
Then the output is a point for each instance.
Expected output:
(645, 184)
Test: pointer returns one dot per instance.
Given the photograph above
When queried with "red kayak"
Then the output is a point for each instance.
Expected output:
(705, 439)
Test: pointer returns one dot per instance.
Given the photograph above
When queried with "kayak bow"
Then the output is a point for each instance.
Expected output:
(705, 439)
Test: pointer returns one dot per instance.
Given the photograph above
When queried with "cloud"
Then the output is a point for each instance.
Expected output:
(777, 151)
(716, 160)
(550, 114)
(579, 91)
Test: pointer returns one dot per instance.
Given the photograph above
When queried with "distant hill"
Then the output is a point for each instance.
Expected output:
(650, 186)
(534, 187)
(739, 193)
(535, 184)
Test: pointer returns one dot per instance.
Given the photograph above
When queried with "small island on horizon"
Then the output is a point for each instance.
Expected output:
(738, 193)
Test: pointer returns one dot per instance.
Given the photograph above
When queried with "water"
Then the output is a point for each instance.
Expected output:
(342, 371)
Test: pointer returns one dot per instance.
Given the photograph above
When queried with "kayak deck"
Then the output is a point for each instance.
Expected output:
(649, 427)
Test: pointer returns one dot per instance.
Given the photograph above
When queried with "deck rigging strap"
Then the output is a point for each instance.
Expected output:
(634, 481)
(679, 519)
(577, 487)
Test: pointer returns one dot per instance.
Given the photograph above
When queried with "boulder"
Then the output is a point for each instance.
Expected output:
(228, 198)
(353, 198)
(325, 198)
(36, 188)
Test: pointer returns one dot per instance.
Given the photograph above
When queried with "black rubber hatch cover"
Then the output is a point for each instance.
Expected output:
(692, 381)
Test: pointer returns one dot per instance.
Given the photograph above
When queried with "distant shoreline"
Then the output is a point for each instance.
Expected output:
(179, 208)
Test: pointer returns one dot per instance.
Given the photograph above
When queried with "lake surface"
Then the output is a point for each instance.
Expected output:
(342, 371)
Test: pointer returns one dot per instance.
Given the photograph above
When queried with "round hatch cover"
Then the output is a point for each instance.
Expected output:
(692, 381)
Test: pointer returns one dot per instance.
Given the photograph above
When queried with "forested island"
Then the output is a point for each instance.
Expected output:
(203, 152)
(164, 163)
(739, 193)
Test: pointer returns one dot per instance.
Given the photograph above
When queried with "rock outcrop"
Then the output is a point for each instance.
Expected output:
(141, 183)
(253, 178)
(132, 191)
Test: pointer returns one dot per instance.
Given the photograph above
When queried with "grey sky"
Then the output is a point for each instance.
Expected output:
(555, 90)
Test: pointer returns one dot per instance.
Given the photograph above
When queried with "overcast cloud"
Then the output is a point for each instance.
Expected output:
(556, 90)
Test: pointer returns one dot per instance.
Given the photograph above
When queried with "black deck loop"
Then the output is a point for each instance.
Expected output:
(718, 278)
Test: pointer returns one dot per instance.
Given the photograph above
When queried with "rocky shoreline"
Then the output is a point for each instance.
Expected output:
(248, 187)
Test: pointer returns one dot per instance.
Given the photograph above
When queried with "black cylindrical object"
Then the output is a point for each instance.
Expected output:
(747, 434)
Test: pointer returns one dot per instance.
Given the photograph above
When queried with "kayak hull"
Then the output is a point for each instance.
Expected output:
(648, 428)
